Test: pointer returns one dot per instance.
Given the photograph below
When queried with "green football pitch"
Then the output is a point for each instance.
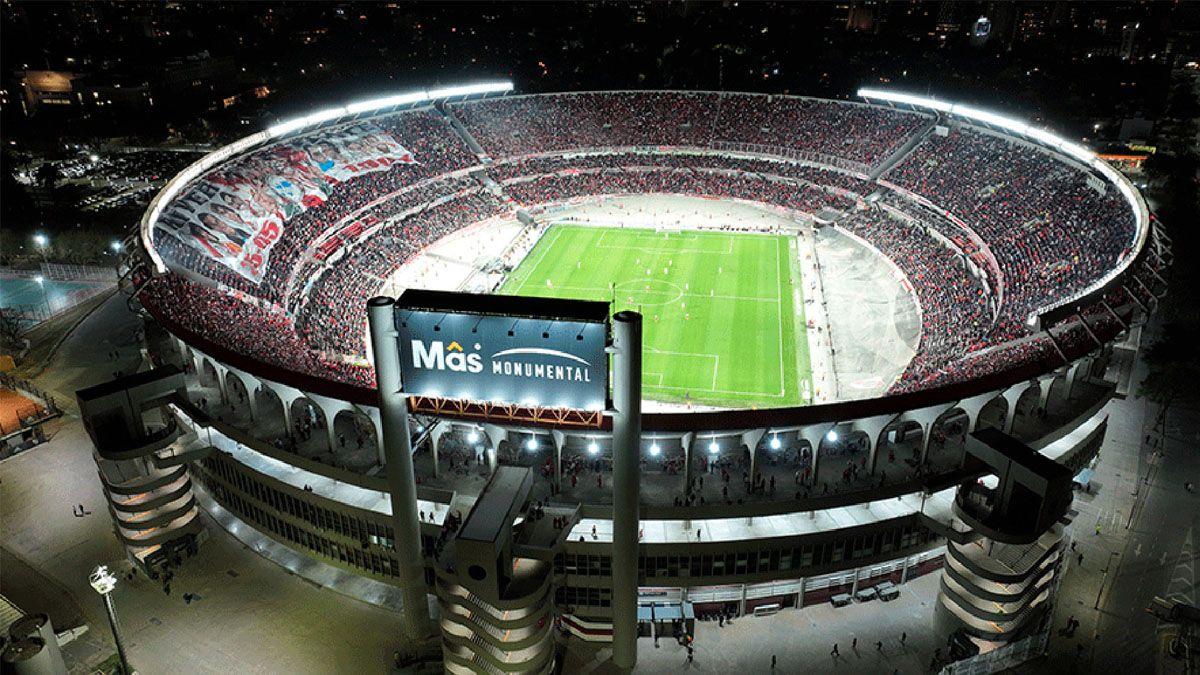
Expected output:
(721, 311)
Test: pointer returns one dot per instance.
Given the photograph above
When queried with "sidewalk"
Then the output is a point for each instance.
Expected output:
(800, 639)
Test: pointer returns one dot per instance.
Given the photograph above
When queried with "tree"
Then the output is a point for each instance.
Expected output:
(1173, 364)
(10, 332)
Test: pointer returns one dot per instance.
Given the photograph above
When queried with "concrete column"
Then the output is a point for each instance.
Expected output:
(1011, 396)
(904, 571)
(402, 487)
(872, 427)
(800, 595)
(252, 401)
(494, 435)
(813, 434)
(221, 382)
(373, 415)
(627, 432)
(559, 439)
(751, 440)
(687, 441)
(742, 602)
(1072, 372)
(1044, 386)
(331, 434)
(972, 406)
(435, 441)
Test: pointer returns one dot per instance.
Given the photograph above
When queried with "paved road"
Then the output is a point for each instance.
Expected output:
(1159, 556)
(255, 617)
(83, 359)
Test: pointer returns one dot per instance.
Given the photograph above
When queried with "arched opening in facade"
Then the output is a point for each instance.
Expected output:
(207, 391)
(271, 423)
(189, 361)
(355, 444)
(947, 438)
(844, 454)
(1027, 412)
(783, 457)
(1056, 402)
(993, 414)
(308, 427)
(898, 450)
(239, 401)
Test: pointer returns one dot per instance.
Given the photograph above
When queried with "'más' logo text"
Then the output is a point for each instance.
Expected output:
(445, 357)
(509, 362)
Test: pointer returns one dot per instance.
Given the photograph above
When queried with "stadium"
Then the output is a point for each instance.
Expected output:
(835, 294)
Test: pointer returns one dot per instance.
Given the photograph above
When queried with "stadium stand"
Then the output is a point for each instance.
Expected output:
(1039, 226)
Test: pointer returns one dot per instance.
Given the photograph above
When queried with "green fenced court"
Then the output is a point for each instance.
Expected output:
(722, 311)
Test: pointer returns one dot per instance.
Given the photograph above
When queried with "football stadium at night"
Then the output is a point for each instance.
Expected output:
(599, 337)
(852, 316)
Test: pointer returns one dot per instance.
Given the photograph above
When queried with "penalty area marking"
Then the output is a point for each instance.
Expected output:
(715, 357)
(660, 250)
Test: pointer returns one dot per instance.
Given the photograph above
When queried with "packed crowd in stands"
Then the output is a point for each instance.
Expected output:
(954, 312)
(436, 149)
(1051, 231)
(802, 197)
(332, 319)
(230, 322)
(532, 166)
(526, 125)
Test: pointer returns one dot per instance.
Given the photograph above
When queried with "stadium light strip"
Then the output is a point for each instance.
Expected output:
(419, 96)
(201, 166)
(1071, 149)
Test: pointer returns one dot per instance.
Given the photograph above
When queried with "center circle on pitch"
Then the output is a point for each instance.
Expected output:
(648, 291)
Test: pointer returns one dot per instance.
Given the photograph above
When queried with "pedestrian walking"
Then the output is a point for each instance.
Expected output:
(697, 534)
(879, 646)
(773, 662)
(1097, 528)
(854, 644)
(834, 653)
(1081, 560)
(903, 638)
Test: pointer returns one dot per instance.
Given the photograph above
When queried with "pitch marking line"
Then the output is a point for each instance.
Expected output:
(779, 316)
(600, 243)
(548, 245)
(716, 391)
(715, 357)
(589, 289)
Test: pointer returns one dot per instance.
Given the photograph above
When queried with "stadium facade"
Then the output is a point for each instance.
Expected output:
(1033, 264)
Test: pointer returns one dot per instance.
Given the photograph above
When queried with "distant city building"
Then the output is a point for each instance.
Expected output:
(47, 87)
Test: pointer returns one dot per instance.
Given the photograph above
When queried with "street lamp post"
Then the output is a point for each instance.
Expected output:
(104, 582)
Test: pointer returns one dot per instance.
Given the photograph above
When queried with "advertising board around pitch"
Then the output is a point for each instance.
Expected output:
(510, 350)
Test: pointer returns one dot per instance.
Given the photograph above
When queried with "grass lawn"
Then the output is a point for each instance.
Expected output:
(722, 313)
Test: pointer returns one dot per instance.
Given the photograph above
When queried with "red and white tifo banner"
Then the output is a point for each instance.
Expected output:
(236, 213)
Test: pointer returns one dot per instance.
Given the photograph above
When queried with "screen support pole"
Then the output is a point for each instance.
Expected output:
(397, 448)
(627, 432)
